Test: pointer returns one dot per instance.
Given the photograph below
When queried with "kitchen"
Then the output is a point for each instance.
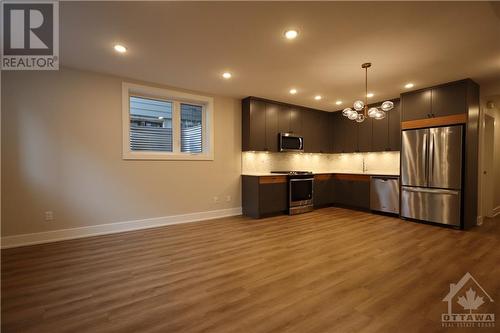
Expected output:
(358, 164)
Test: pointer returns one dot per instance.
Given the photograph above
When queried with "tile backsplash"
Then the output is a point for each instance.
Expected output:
(262, 162)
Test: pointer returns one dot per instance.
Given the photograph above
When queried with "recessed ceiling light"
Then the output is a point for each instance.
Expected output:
(291, 34)
(338, 102)
(120, 48)
(293, 91)
(227, 75)
(318, 97)
(409, 85)
(370, 95)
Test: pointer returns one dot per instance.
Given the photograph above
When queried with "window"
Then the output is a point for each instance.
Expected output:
(150, 124)
(191, 136)
(165, 124)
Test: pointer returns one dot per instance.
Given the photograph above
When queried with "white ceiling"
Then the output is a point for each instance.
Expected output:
(188, 45)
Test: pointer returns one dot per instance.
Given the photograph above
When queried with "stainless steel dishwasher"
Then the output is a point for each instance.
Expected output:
(384, 194)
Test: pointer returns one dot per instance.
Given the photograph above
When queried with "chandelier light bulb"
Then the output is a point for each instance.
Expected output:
(353, 115)
(380, 115)
(358, 105)
(387, 106)
(360, 118)
(346, 112)
(372, 112)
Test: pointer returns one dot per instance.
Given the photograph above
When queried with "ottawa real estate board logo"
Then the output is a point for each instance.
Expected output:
(469, 305)
(30, 35)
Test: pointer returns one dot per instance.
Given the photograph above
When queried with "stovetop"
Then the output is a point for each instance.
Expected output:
(293, 173)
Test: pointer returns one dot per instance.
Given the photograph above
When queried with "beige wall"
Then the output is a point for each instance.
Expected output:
(61, 152)
(495, 177)
(496, 160)
(490, 92)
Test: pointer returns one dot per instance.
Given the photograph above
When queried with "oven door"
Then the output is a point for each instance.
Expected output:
(301, 192)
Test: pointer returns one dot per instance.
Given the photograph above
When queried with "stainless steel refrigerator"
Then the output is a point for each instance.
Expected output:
(431, 174)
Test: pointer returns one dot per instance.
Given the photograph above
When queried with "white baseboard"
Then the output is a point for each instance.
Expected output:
(111, 228)
(496, 211)
(479, 220)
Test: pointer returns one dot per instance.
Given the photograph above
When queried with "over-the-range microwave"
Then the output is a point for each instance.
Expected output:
(291, 142)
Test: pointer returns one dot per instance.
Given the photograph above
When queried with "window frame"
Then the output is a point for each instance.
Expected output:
(176, 97)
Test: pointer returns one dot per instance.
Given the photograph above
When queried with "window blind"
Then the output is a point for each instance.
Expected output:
(150, 124)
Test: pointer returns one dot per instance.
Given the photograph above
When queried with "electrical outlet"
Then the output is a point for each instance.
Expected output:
(216, 199)
(228, 198)
(49, 216)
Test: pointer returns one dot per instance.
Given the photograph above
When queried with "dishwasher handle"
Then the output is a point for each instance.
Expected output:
(384, 178)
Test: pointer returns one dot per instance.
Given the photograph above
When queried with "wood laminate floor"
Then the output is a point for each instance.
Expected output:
(332, 270)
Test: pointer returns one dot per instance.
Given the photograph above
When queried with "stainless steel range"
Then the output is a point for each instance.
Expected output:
(300, 191)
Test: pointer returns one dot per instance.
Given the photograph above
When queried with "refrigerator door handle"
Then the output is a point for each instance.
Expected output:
(431, 157)
(429, 190)
(426, 154)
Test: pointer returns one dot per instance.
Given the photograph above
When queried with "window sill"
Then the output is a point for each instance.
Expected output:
(162, 156)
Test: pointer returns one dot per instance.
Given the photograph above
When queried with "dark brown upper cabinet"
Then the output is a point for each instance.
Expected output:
(349, 130)
(365, 135)
(345, 134)
(283, 119)
(272, 130)
(295, 120)
(323, 132)
(394, 119)
(387, 132)
(416, 105)
(380, 134)
(260, 125)
(253, 125)
(439, 101)
(449, 99)
(290, 119)
(336, 136)
(310, 131)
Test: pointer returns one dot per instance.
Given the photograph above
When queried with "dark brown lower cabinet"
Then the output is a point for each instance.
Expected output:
(323, 190)
(268, 195)
(352, 191)
(264, 195)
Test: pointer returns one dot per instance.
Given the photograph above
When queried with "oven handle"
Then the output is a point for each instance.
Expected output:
(300, 179)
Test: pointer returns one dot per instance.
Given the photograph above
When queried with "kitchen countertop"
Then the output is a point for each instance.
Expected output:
(267, 174)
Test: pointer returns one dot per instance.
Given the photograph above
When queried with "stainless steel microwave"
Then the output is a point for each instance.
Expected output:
(291, 142)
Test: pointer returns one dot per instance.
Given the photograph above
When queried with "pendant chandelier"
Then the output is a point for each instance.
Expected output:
(360, 110)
